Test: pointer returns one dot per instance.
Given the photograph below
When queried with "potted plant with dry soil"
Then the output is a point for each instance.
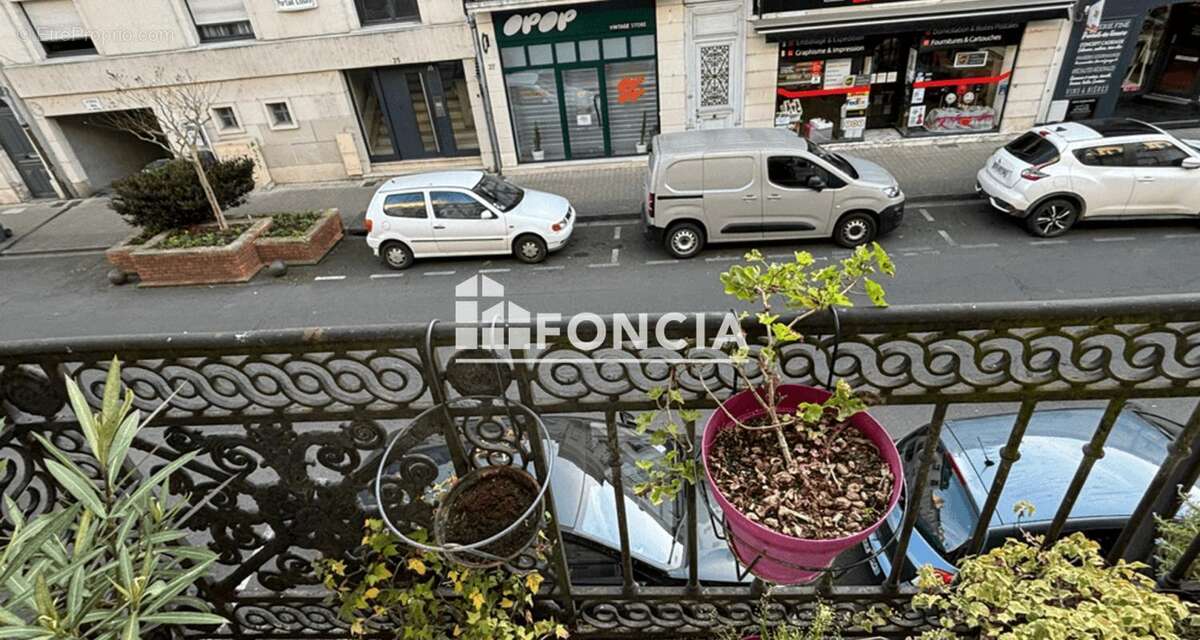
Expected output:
(799, 473)
(539, 154)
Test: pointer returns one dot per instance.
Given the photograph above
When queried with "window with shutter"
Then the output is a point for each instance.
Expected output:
(58, 27)
(218, 20)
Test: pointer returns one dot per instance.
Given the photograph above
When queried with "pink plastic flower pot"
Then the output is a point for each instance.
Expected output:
(776, 557)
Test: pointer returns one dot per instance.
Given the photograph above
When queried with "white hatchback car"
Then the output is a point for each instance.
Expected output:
(1055, 175)
(464, 213)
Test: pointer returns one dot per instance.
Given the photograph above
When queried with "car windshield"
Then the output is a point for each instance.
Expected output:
(499, 191)
(832, 158)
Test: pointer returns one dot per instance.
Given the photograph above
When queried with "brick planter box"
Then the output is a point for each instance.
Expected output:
(235, 262)
(309, 249)
(120, 255)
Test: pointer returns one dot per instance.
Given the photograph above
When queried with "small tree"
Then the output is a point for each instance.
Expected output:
(171, 113)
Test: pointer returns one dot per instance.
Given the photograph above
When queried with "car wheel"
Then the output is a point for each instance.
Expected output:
(684, 240)
(1052, 218)
(855, 229)
(530, 249)
(396, 255)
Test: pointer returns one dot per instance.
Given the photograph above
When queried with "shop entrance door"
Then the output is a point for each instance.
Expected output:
(1181, 69)
(888, 83)
(583, 103)
(29, 164)
(714, 58)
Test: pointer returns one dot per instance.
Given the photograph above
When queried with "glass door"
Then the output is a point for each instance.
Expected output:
(584, 113)
(1182, 66)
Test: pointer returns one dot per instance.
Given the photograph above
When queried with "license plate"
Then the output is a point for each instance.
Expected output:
(999, 168)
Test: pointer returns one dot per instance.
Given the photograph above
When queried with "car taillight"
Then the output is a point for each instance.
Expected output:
(369, 224)
(650, 205)
(946, 576)
(1035, 172)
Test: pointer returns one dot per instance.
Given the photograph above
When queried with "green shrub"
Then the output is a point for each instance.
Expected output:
(1175, 536)
(112, 560)
(436, 600)
(170, 196)
(1020, 591)
(292, 225)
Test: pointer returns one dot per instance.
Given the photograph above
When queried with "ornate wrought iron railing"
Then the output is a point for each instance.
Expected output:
(299, 419)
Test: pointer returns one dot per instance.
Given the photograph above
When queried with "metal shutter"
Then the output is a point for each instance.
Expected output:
(217, 11)
(54, 19)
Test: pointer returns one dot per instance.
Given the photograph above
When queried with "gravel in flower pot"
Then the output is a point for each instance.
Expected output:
(800, 474)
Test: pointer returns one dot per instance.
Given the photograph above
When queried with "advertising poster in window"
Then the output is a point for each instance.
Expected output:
(822, 83)
(961, 78)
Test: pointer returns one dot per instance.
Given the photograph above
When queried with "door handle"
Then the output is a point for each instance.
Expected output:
(439, 226)
(748, 198)
(774, 196)
(1145, 179)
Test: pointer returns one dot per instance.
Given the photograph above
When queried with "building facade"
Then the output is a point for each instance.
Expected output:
(313, 90)
(335, 89)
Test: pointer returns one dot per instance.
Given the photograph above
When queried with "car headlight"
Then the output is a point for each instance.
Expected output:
(892, 191)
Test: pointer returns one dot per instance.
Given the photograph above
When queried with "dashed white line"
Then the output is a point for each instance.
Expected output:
(662, 261)
(603, 265)
(986, 245)
(1173, 236)
(380, 276)
(326, 278)
(722, 259)
(602, 223)
(1039, 243)
(494, 270)
(916, 248)
(616, 253)
(12, 212)
(556, 267)
(616, 233)
(439, 273)
(925, 214)
(1116, 239)
(945, 236)
(781, 255)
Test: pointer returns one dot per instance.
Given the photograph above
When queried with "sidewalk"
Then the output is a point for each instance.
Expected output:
(940, 169)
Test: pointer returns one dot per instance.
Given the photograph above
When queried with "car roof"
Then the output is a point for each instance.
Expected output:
(1051, 452)
(735, 139)
(1096, 130)
(461, 179)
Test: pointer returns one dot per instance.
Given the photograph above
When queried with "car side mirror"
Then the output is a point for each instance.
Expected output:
(1190, 163)
(816, 183)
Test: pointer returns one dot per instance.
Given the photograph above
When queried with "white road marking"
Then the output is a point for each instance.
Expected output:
(916, 248)
(945, 236)
(925, 214)
(616, 253)
(440, 273)
(1116, 239)
(672, 261)
(986, 245)
(494, 270)
(785, 256)
(380, 276)
(556, 267)
(11, 212)
(1038, 243)
(601, 223)
(951, 203)
(602, 265)
(722, 258)
(325, 278)
(616, 233)
(1173, 236)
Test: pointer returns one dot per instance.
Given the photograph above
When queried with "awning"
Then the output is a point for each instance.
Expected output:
(899, 17)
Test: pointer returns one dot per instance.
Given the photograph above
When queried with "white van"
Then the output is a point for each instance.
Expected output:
(731, 185)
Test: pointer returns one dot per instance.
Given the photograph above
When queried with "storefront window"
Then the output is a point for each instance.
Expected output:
(939, 81)
(1146, 52)
(533, 100)
(587, 86)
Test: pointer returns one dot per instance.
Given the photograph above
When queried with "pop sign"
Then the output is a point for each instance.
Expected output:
(544, 22)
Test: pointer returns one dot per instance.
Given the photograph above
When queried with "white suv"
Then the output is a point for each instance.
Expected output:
(1056, 174)
(464, 213)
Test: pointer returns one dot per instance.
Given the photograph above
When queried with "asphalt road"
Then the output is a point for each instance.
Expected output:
(944, 252)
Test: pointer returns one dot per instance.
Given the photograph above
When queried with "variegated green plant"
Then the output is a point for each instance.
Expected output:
(111, 561)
